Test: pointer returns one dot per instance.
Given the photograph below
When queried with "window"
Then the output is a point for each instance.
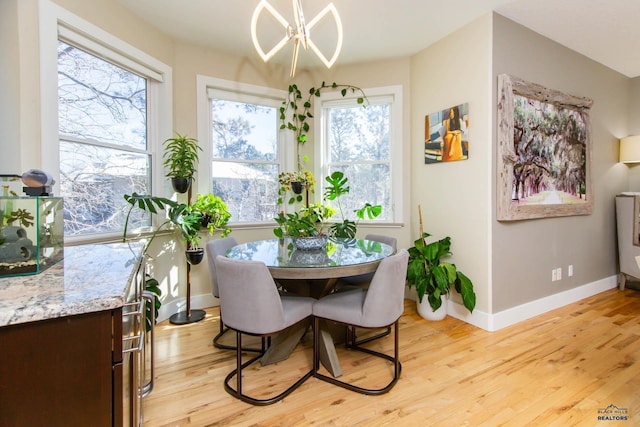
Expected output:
(246, 150)
(100, 124)
(104, 153)
(366, 145)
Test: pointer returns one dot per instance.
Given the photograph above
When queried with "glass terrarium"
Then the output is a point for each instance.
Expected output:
(31, 234)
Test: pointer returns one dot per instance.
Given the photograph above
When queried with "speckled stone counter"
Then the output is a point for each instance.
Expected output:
(90, 278)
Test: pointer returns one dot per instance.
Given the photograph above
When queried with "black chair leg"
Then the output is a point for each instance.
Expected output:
(386, 332)
(237, 393)
(397, 366)
(218, 344)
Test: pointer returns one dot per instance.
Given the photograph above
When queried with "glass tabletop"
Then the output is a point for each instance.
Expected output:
(280, 253)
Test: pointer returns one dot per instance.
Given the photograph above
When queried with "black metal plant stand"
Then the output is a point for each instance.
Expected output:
(188, 316)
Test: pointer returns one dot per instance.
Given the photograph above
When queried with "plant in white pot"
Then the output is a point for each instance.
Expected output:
(435, 278)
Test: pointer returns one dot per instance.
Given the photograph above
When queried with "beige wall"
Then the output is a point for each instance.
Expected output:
(455, 197)
(525, 252)
(114, 18)
(10, 88)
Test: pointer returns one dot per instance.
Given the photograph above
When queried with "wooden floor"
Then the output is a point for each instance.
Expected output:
(558, 369)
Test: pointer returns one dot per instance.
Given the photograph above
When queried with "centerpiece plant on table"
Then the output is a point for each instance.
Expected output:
(307, 222)
(312, 220)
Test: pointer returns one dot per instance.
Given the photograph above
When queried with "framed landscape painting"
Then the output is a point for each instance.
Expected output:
(544, 152)
(446, 135)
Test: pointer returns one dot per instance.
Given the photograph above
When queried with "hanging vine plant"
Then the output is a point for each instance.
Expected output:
(295, 116)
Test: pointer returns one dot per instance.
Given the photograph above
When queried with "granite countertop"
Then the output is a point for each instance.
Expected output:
(90, 278)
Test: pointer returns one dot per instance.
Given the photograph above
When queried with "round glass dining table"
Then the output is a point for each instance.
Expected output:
(339, 258)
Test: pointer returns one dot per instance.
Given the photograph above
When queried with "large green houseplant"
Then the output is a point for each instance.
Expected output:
(434, 277)
(207, 212)
(180, 160)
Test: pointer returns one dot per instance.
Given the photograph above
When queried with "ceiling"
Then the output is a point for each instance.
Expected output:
(607, 31)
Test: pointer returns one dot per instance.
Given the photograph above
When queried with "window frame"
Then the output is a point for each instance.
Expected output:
(241, 92)
(57, 23)
(396, 149)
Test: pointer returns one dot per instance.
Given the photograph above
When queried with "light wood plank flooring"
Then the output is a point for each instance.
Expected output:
(557, 369)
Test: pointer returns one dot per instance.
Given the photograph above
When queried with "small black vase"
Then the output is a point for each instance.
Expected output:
(297, 187)
(194, 256)
(181, 185)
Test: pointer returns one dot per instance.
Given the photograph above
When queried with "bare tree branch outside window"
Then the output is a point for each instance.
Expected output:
(103, 141)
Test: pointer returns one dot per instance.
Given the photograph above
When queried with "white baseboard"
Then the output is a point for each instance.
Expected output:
(511, 316)
(483, 320)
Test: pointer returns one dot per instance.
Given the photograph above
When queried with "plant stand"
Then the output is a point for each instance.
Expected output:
(187, 316)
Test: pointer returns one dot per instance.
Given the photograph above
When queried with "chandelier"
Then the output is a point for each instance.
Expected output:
(300, 33)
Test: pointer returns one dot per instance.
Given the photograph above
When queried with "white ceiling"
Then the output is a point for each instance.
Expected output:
(607, 31)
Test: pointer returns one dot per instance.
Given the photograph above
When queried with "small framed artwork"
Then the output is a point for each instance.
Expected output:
(544, 152)
(446, 135)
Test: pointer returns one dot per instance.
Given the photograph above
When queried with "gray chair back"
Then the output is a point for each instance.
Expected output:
(249, 299)
(384, 302)
(376, 307)
(214, 248)
(389, 240)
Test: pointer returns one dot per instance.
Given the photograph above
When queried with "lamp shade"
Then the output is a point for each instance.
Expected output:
(630, 149)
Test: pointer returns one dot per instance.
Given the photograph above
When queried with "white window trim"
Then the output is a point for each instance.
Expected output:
(205, 86)
(55, 22)
(396, 149)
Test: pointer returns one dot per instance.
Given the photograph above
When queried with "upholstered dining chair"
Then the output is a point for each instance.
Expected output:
(214, 248)
(250, 304)
(379, 306)
(363, 281)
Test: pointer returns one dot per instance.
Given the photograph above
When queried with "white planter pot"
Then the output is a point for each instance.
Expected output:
(426, 312)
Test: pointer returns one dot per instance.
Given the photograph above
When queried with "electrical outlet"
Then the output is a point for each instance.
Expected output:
(554, 274)
(559, 273)
(570, 270)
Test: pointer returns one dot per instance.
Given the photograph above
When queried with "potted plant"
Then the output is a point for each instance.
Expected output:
(307, 227)
(297, 182)
(188, 219)
(189, 223)
(208, 212)
(311, 221)
(435, 278)
(180, 159)
(295, 116)
(214, 212)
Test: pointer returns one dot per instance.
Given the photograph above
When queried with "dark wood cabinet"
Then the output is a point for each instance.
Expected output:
(60, 372)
